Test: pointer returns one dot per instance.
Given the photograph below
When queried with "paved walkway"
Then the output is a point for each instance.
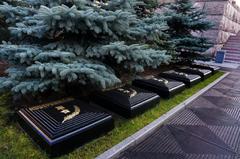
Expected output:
(209, 128)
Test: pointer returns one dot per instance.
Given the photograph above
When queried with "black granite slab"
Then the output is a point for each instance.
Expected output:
(164, 87)
(62, 125)
(205, 66)
(204, 73)
(187, 78)
(127, 101)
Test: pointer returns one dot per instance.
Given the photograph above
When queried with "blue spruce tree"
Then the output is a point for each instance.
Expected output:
(55, 43)
(183, 20)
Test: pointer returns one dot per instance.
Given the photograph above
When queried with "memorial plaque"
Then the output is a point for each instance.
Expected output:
(188, 79)
(205, 66)
(62, 125)
(164, 87)
(127, 101)
(204, 73)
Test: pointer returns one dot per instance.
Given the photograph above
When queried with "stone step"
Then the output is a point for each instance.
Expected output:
(230, 49)
(233, 42)
(233, 52)
(234, 38)
(232, 46)
(237, 56)
(232, 59)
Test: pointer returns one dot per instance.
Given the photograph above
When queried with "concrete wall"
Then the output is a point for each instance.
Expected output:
(226, 16)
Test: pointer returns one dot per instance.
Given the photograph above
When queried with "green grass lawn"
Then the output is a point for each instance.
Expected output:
(14, 143)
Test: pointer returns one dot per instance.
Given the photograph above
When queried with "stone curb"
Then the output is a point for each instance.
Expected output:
(144, 132)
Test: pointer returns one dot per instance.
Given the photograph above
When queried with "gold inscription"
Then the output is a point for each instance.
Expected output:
(206, 65)
(130, 92)
(62, 109)
(42, 106)
(181, 74)
(68, 116)
(161, 80)
(73, 114)
(197, 69)
(65, 111)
